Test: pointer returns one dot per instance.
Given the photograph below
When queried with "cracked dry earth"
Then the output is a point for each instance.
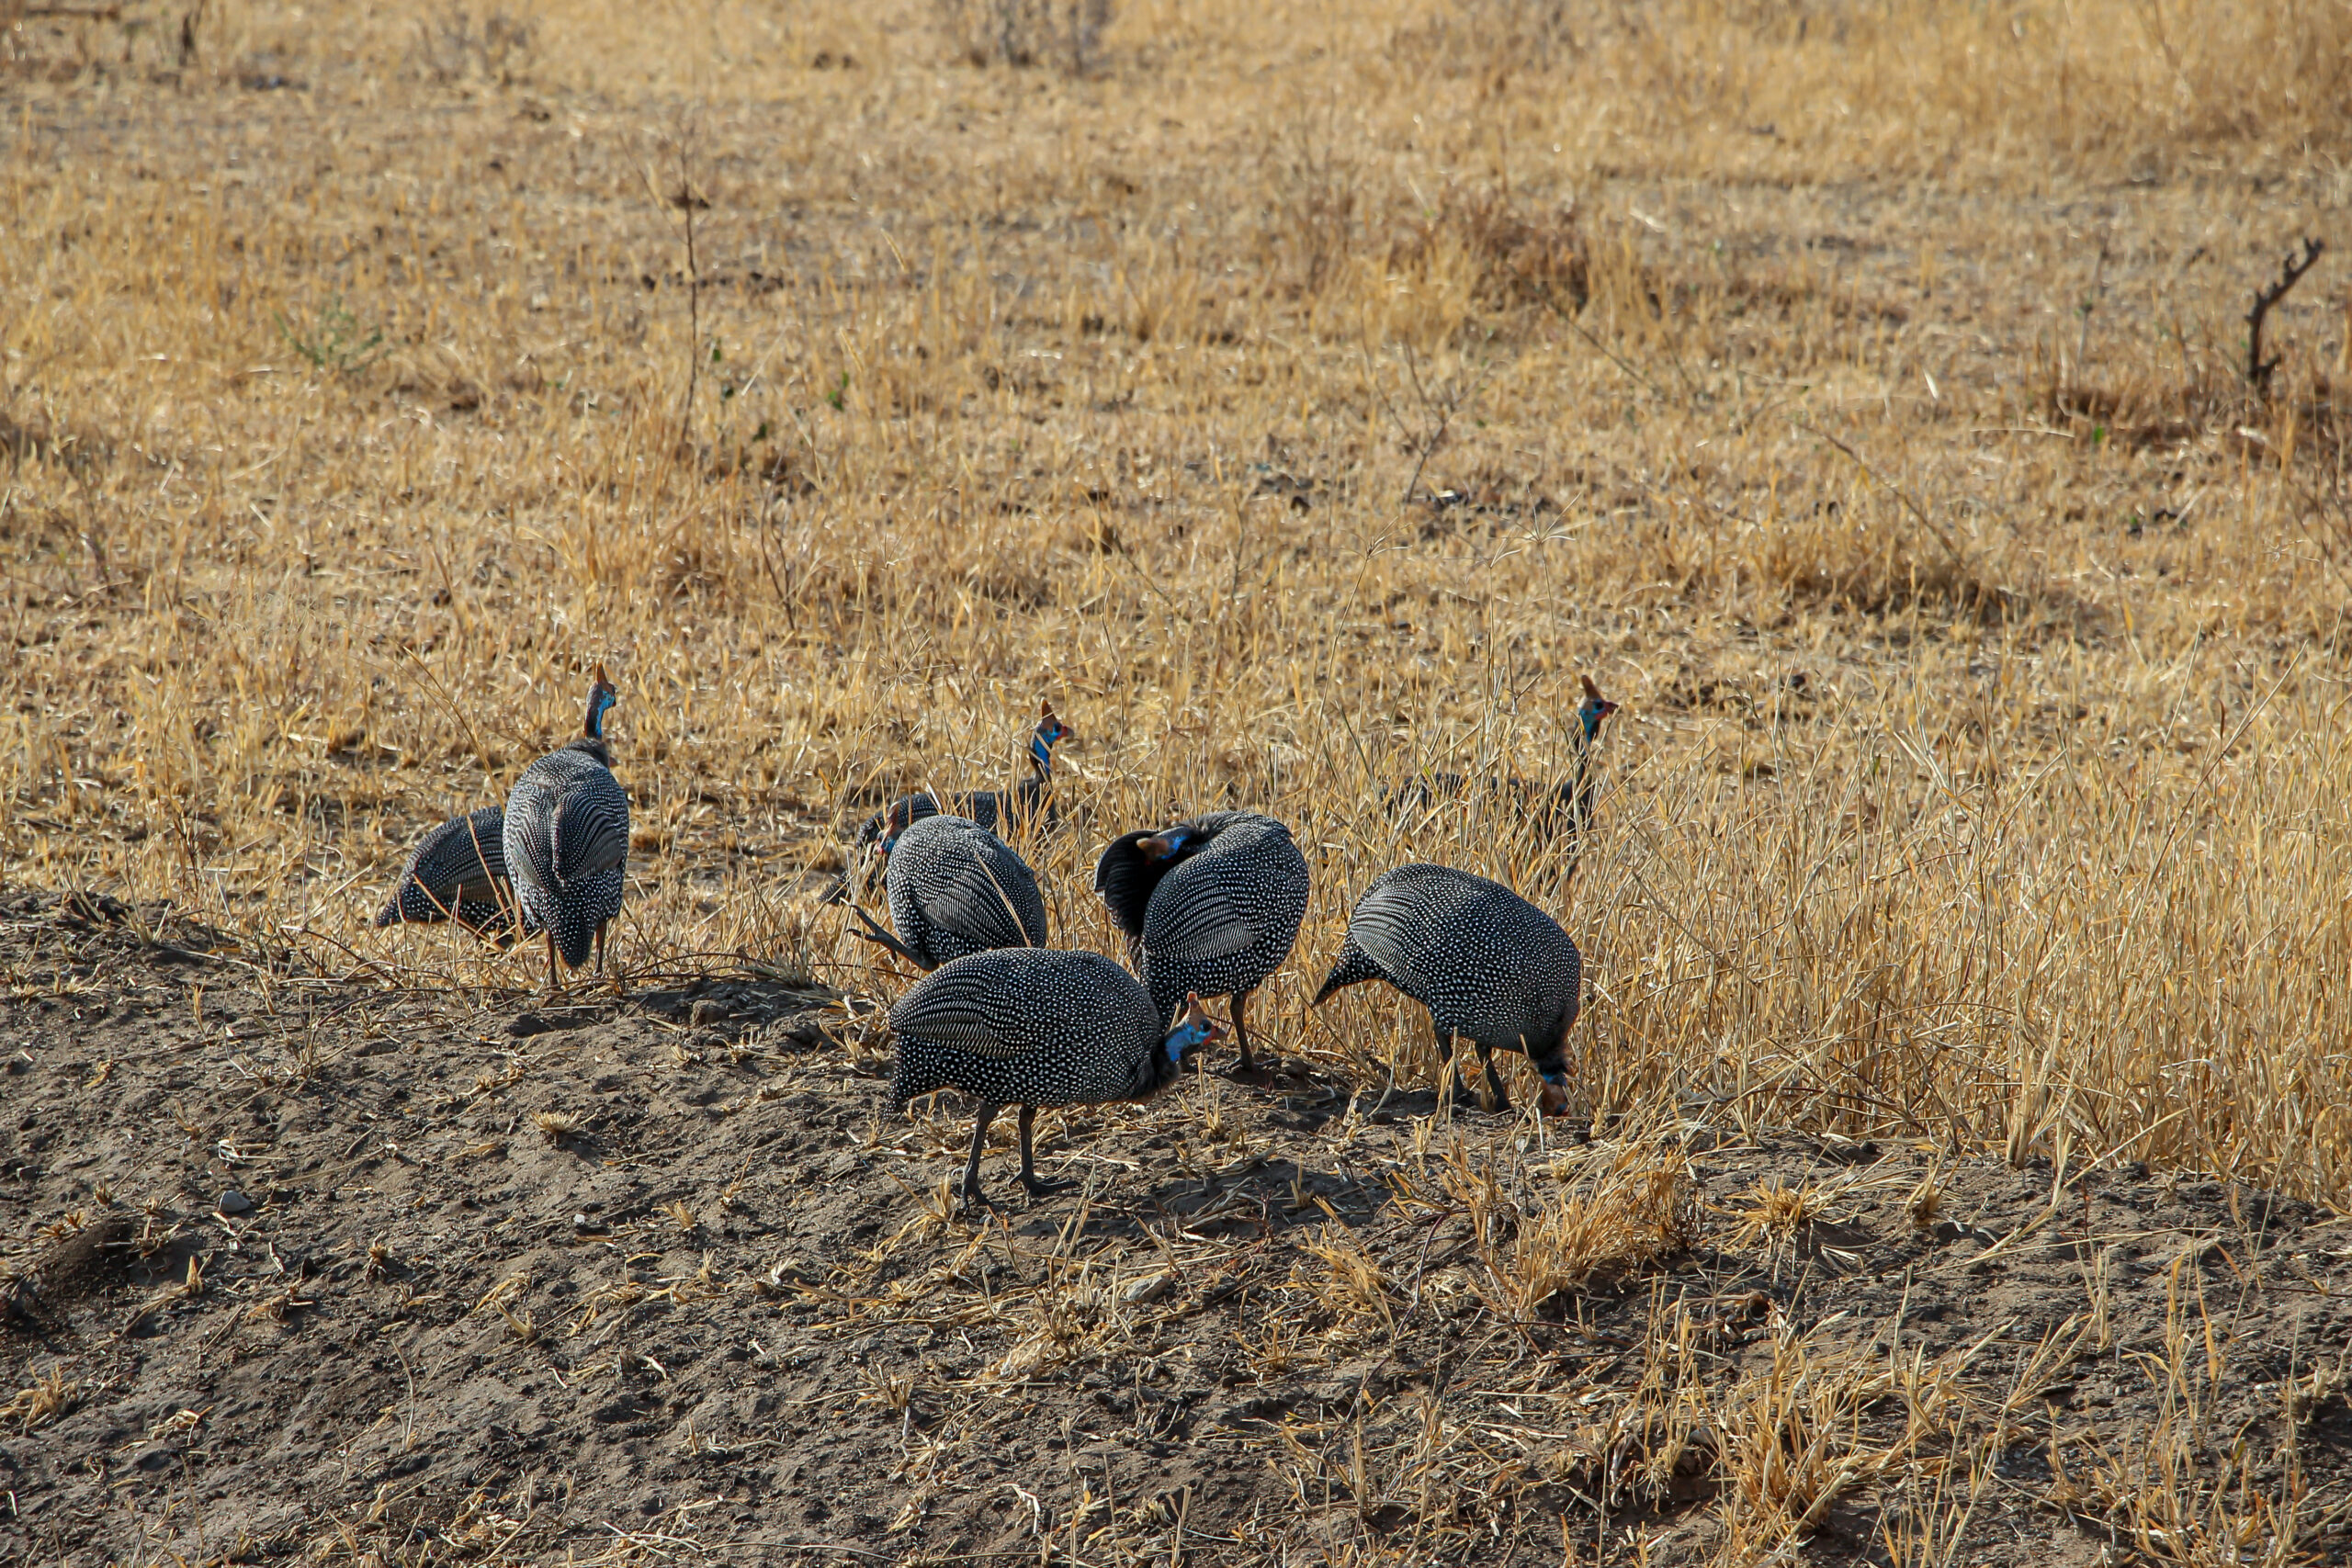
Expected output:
(656, 1279)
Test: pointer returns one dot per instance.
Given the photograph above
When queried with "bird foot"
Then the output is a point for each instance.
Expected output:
(1039, 1187)
(1257, 1073)
(1468, 1099)
(977, 1203)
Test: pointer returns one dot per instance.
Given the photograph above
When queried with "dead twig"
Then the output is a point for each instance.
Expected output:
(2290, 272)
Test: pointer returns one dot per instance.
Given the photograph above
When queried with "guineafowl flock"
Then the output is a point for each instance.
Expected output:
(1211, 907)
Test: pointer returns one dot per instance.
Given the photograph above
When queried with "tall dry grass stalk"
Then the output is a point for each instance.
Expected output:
(1296, 398)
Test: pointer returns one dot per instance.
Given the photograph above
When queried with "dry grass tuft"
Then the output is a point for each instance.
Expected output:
(1301, 399)
(42, 1401)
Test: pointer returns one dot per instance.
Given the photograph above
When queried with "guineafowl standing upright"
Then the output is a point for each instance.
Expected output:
(1211, 905)
(1491, 967)
(567, 840)
(1556, 811)
(458, 871)
(954, 888)
(1027, 1026)
(1000, 811)
(1568, 811)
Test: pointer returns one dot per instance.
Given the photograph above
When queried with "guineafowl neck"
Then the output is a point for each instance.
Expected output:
(1154, 1073)
(1581, 787)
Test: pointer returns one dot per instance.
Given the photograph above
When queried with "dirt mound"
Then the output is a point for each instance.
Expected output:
(305, 1270)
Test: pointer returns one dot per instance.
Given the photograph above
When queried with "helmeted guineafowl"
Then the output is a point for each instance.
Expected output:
(567, 840)
(455, 872)
(1554, 811)
(1001, 811)
(1028, 1026)
(1491, 967)
(954, 888)
(1211, 905)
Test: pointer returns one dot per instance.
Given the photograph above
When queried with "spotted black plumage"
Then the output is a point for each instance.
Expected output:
(567, 840)
(453, 874)
(1028, 1026)
(1005, 812)
(954, 888)
(1491, 967)
(1210, 905)
(1553, 811)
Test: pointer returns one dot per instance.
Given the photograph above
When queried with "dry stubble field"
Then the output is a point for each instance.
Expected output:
(1296, 395)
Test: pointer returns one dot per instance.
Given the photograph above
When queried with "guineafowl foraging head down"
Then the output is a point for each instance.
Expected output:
(1210, 904)
(1491, 967)
(1030, 1026)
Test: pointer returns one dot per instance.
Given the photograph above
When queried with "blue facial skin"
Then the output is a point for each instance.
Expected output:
(599, 704)
(1176, 839)
(1590, 715)
(1183, 1038)
(1041, 748)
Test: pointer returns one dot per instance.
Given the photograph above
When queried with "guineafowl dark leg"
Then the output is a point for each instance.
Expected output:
(1445, 1057)
(883, 939)
(1037, 1186)
(1248, 1064)
(972, 1193)
(1494, 1079)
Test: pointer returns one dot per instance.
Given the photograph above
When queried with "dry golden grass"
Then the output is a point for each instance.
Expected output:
(1296, 395)
(1805, 376)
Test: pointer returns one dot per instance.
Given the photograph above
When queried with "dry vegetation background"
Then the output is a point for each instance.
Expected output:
(1297, 394)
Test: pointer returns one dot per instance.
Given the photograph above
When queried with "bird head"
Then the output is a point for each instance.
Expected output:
(1050, 732)
(896, 820)
(1554, 1098)
(1593, 709)
(1193, 1030)
(1167, 845)
(601, 698)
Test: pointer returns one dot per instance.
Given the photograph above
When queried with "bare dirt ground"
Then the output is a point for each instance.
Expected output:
(344, 1273)
(1300, 395)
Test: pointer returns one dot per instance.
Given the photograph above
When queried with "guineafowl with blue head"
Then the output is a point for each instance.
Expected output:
(1211, 905)
(1029, 1026)
(954, 888)
(1005, 812)
(458, 871)
(1561, 811)
(567, 840)
(1491, 967)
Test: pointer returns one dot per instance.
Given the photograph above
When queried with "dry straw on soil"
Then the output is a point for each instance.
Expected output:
(1296, 395)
